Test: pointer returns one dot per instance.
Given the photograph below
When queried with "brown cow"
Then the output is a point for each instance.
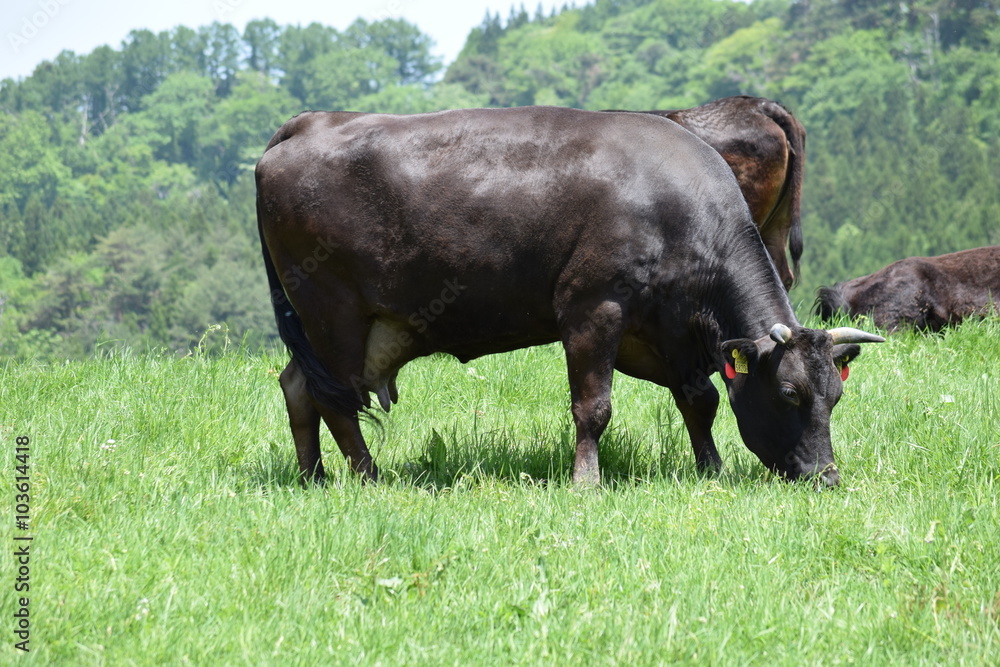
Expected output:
(765, 146)
(923, 292)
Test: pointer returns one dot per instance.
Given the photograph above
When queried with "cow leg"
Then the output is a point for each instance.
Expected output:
(346, 430)
(698, 407)
(304, 417)
(337, 334)
(304, 420)
(591, 344)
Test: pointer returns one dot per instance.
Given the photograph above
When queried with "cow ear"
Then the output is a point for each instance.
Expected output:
(845, 354)
(740, 356)
(842, 356)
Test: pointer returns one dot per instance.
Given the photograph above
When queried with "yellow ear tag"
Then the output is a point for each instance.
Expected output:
(740, 362)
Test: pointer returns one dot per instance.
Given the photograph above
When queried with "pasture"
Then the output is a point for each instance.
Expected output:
(168, 526)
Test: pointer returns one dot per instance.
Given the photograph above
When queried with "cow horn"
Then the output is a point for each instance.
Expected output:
(780, 334)
(850, 335)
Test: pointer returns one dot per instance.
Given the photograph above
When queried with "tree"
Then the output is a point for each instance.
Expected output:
(188, 50)
(102, 78)
(262, 37)
(745, 62)
(233, 137)
(299, 47)
(401, 41)
(335, 80)
(146, 61)
(29, 162)
(551, 65)
(222, 55)
(172, 115)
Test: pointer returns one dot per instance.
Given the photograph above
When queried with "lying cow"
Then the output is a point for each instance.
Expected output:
(765, 146)
(623, 236)
(922, 292)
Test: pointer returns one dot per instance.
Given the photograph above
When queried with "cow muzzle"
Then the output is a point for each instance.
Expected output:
(822, 475)
(829, 477)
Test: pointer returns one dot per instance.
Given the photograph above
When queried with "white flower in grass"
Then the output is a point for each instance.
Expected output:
(142, 609)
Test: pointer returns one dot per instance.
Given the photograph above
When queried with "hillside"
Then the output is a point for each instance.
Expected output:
(126, 192)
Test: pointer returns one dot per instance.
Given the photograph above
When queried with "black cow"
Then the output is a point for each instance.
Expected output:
(922, 292)
(625, 237)
(765, 146)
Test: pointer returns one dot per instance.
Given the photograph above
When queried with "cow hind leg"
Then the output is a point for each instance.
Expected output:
(591, 344)
(346, 430)
(337, 332)
(303, 417)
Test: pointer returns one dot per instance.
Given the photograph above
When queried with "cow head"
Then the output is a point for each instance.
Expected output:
(783, 387)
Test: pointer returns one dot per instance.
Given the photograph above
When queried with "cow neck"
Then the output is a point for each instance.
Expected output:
(742, 295)
(753, 312)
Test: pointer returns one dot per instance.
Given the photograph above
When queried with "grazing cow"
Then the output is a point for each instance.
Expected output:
(765, 146)
(922, 292)
(470, 232)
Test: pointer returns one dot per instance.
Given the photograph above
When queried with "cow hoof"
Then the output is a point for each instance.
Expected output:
(586, 479)
(308, 481)
(710, 468)
(369, 474)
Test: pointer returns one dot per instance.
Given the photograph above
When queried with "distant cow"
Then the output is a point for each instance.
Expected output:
(765, 146)
(923, 292)
(386, 238)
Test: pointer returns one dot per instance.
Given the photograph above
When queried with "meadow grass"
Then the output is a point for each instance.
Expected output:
(169, 528)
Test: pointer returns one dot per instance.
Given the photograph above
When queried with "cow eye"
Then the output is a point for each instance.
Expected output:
(789, 394)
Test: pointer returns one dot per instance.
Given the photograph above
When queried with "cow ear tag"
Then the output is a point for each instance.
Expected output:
(845, 371)
(739, 365)
(741, 362)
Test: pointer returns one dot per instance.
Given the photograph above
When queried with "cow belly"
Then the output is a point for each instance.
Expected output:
(639, 359)
(392, 344)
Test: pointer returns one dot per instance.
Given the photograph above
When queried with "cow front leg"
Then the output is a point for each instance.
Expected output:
(591, 345)
(698, 403)
(303, 417)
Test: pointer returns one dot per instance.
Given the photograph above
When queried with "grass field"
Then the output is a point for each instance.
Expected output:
(168, 527)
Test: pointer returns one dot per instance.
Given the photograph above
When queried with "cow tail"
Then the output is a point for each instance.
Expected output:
(321, 385)
(829, 302)
(791, 196)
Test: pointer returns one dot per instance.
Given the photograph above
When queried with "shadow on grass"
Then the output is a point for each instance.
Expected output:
(276, 468)
(467, 460)
(627, 459)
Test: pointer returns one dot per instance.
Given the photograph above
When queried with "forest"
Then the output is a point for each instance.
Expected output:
(126, 174)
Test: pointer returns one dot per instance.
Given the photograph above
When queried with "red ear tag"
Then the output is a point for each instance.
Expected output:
(730, 371)
(844, 372)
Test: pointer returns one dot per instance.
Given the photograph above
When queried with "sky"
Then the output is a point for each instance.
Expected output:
(32, 31)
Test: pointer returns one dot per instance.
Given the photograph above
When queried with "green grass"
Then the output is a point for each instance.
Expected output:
(186, 539)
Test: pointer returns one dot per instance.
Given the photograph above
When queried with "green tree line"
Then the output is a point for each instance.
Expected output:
(126, 190)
